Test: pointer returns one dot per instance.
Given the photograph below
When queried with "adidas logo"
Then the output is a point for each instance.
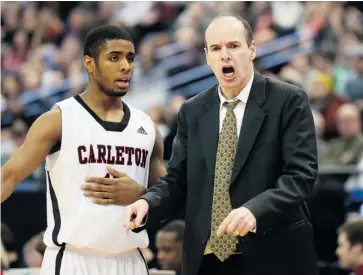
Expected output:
(142, 131)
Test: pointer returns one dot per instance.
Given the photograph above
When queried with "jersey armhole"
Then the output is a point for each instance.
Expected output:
(56, 150)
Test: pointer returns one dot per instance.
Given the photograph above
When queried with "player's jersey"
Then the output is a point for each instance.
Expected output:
(88, 144)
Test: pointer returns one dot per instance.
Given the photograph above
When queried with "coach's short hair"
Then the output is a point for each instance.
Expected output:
(246, 25)
(98, 37)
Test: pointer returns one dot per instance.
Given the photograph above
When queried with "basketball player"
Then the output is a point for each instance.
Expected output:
(89, 137)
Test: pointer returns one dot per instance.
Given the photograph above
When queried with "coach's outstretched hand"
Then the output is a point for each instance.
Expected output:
(135, 213)
(117, 188)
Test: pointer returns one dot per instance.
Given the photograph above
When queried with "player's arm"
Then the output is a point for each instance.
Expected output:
(45, 132)
(157, 168)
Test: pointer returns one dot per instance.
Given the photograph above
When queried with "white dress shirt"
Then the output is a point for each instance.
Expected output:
(240, 108)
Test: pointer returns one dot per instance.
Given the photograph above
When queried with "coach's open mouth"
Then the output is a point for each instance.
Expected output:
(228, 72)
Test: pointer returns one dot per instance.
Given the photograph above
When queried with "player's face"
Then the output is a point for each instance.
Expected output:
(114, 67)
(228, 53)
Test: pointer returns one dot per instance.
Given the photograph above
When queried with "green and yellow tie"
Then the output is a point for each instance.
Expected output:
(225, 245)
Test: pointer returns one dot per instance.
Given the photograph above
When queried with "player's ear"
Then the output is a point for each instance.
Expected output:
(89, 63)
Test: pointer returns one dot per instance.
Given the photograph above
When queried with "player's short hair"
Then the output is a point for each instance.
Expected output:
(98, 38)
(176, 226)
(353, 230)
(246, 25)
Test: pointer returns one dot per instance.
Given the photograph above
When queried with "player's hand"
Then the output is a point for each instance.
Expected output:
(239, 222)
(135, 213)
(119, 190)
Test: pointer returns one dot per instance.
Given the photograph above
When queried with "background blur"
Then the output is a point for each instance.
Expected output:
(315, 45)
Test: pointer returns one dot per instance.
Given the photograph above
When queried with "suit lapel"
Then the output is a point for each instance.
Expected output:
(251, 124)
(209, 129)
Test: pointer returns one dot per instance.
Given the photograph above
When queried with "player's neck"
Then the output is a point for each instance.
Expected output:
(100, 100)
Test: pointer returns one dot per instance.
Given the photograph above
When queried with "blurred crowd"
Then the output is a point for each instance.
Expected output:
(42, 46)
(42, 49)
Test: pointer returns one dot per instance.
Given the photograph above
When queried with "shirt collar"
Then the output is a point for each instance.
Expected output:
(242, 96)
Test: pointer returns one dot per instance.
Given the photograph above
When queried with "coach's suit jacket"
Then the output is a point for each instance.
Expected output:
(274, 171)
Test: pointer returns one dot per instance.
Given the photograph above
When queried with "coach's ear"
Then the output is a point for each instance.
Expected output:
(206, 56)
(89, 64)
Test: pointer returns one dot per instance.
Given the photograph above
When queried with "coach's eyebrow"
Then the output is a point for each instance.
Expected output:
(214, 46)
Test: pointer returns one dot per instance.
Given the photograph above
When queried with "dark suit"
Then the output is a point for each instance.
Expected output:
(274, 171)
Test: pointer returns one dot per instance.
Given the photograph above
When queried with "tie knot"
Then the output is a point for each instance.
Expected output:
(231, 105)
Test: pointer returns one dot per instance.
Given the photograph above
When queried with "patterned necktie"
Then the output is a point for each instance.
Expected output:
(224, 245)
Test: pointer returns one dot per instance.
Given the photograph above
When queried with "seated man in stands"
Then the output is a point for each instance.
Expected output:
(348, 148)
(350, 246)
(324, 100)
(169, 244)
(33, 251)
(319, 130)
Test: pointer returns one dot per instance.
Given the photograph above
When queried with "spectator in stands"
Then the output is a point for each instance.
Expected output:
(323, 100)
(33, 251)
(6, 246)
(12, 139)
(169, 245)
(165, 117)
(171, 113)
(148, 71)
(354, 88)
(299, 72)
(6, 257)
(319, 130)
(348, 148)
(290, 75)
(350, 246)
(285, 16)
(325, 61)
(10, 86)
(77, 77)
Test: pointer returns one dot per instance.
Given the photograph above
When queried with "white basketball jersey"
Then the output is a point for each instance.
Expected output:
(88, 144)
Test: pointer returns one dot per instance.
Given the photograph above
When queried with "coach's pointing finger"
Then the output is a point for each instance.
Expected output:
(135, 213)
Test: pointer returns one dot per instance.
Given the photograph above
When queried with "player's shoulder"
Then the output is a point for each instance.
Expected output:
(52, 119)
(53, 116)
(48, 125)
(65, 103)
(139, 115)
(136, 111)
